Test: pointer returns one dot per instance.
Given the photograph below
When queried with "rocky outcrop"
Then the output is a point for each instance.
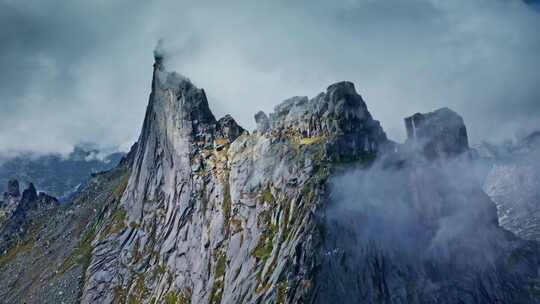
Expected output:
(228, 129)
(338, 117)
(29, 195)
(441, 133)
(16, 212)
(435, 168)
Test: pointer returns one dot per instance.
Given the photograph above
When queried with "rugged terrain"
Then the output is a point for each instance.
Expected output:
(314, 206)
(45, 247)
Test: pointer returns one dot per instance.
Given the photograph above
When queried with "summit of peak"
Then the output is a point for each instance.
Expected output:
(342, 86)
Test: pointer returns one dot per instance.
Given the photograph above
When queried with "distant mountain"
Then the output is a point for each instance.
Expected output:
(55, 174)
(17, 212)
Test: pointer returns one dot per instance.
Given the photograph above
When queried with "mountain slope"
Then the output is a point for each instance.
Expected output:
(44, 253)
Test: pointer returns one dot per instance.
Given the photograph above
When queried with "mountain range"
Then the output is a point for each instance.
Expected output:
(56, 174)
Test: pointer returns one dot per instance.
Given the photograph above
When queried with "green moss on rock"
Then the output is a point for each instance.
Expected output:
(117, 222)
(227, 207)
(219, 281)
(282, 292)
(267, 196)
(264, 248)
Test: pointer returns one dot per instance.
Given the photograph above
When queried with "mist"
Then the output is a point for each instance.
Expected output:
(411, 230)
(418, 208)
(80, 72)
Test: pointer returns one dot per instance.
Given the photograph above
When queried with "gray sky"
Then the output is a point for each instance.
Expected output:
(80, 71)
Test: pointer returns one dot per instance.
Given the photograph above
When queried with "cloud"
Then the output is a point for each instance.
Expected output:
(78, 72)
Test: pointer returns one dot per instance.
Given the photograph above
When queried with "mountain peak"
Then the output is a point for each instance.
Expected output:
(339, 115)
(341, 89)
(29, 194)
(177, 108)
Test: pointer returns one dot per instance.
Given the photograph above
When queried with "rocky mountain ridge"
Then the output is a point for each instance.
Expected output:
(315, 205)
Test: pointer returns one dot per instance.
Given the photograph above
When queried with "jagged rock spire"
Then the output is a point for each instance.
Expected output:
(228, 128)
(29, 194)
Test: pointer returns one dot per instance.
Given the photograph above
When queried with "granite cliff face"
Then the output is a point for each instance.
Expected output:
(316, 205)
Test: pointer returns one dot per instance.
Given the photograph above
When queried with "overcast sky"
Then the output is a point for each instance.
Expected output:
(80, 71)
